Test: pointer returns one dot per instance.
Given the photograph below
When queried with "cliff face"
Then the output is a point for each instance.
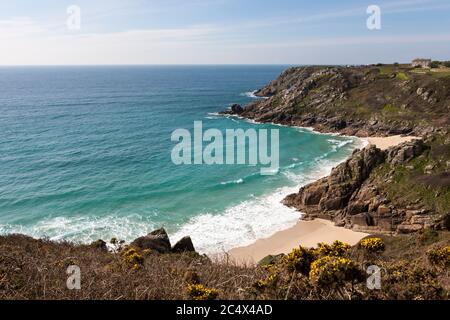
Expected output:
(403, 189)
(362, 101)
(353, 196)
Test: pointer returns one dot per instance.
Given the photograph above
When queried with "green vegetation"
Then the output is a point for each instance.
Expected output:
(402, 76)
(390, 108)
(372, 245)
(386, 69)
(362, 111)
(435, 64)
(423, 179)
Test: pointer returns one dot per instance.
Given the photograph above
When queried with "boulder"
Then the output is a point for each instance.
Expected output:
(384, 223)
(361, 219)
(270, 259)
(357, 207)
(184, 245)
(157, 240)
(99, 244)
(236, 109)
(313, 195)
(383, 210)
(409, 228)
(405, 152)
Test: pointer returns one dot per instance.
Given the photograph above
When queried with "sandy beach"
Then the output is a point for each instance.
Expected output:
(305, 233)
(384, 143)
(308, 233)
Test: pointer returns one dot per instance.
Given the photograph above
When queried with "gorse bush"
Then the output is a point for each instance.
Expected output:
(199, 292)
(132, 257)
(338, 249)
(334, 271)
(372, 245)
(300, 260)
(439, 257)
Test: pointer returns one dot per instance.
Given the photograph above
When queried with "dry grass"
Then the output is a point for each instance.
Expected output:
(36, 269)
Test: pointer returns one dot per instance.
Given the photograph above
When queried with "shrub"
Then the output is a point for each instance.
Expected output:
(338, 249)
(372, 245)
(428, 235)
(132, 257)
(435, 64)
(439, 257)
(390, 108)
(407, 281)
(199, 292)
(402, 76)
(300, 260)
(333, 271)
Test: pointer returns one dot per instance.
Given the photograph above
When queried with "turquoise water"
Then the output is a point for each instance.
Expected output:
(85, 154)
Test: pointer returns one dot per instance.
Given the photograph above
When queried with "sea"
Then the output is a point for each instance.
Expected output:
(85, 154)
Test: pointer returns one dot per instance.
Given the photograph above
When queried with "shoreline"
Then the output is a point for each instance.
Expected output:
(308, 233)
(305, 233)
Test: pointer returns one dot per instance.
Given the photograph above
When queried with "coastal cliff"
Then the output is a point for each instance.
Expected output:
(360, 101)
(400, 190)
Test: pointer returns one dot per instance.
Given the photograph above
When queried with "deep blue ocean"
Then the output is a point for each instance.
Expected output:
(85, 153)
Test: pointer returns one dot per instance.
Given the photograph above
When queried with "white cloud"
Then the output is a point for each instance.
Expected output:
(19, 27)
(31, 43)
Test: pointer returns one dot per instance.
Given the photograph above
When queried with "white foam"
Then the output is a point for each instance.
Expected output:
(85, 229)
(240, 225)
(238, 181)
(243, 224)
(252, 94)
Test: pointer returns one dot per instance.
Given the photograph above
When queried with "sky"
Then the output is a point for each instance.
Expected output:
(221, 32)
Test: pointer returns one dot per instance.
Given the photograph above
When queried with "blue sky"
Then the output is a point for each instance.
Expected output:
(222, 32)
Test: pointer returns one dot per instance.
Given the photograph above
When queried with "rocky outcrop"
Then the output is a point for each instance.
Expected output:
(184, 245)
(235, 109)
(350, 199)
(159, 241)
(334, 192)
(99, 244)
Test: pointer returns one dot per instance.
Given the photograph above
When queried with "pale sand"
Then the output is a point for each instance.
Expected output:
(384, 143)
(305, 233)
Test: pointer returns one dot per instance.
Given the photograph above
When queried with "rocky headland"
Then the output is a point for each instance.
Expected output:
(403, 189)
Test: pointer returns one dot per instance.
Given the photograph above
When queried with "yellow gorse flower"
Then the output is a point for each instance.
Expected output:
(331, 270)
(199, 292)
(132, 257)
(372, 245)
(439, 257)
(300, 259)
